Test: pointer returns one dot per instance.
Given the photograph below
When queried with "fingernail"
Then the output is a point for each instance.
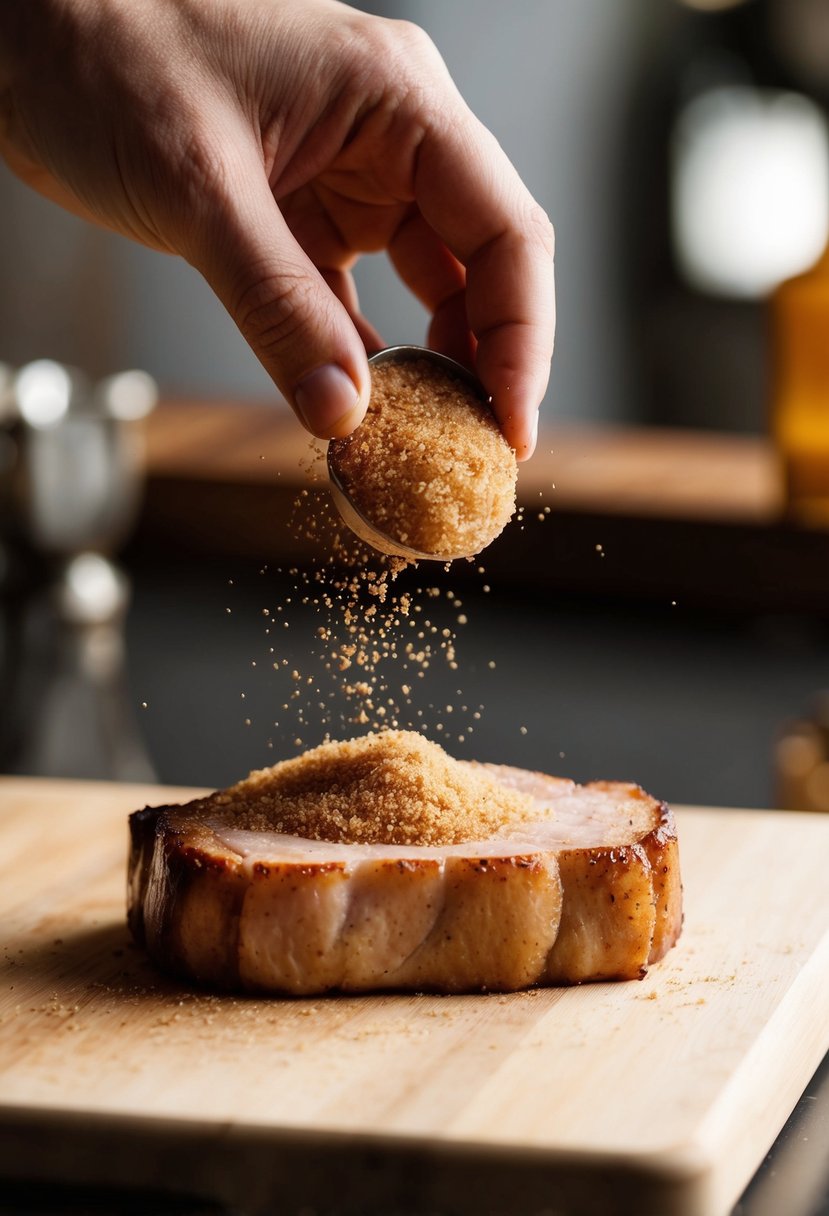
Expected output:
(325, 398)
(525, 452)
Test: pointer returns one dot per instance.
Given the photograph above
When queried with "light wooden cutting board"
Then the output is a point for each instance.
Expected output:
(649, 1097)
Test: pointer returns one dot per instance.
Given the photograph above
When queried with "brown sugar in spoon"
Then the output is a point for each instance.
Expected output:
(428, 475)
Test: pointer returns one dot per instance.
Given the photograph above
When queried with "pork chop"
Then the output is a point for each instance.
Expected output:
(587, 888)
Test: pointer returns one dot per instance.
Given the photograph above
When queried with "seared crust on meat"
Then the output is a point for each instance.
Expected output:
(662, 848)
(501, 915)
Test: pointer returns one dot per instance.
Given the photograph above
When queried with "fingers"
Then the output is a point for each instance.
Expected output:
(511, 309)
(472, 197)
(342, 284)
(449, 331)
(438, 280)
(295, 323)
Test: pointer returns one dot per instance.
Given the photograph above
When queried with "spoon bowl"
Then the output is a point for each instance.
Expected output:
(351, 515)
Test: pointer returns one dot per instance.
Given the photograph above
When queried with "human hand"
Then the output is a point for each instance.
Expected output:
(270, 142)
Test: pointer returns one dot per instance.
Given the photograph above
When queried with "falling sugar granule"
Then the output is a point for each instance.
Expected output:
(374, 638)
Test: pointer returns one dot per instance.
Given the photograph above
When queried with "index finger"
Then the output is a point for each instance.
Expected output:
(472, 196)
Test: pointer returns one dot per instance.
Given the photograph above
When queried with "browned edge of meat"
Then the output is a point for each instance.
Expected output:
(622, 906)
(466, 924)
(181, 880)
(662, 848)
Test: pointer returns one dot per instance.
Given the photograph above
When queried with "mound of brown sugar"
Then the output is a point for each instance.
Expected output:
(428, 466)
(394, 787)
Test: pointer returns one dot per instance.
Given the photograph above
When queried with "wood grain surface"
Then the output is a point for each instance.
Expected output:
(659, 1096)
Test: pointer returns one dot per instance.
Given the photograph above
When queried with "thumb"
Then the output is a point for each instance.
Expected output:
(298, 329)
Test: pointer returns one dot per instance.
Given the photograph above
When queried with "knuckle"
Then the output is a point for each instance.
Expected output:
(397, 65)
(199, 180)
(204, 172)
(542, 229)
(413, 39)
(402, 49)
(182, 137)
(273, 310)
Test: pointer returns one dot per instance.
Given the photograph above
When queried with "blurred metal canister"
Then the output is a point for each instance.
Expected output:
(71, 478)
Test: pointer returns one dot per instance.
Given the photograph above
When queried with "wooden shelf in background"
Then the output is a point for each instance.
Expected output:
(619, 470)
(634, 512)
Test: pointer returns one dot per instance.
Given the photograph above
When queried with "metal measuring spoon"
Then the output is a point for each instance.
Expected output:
(350, 513)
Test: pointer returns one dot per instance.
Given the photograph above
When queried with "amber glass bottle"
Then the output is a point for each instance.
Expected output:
(800, 389)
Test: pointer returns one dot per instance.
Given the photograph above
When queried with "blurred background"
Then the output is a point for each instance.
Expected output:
(666, 622)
